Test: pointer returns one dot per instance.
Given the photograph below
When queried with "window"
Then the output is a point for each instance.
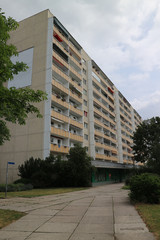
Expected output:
(83, 61)
(96, 77)
(84, 81)
(84, 92)
(85, 102)
(85, 136)
(85, 113)
(85, 125)
(84, 71)
(59, 142)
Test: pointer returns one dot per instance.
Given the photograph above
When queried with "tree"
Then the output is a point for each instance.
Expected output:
(146, 142)
(80, 166)
(15, 104)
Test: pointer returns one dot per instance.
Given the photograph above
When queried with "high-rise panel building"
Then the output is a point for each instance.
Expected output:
(84, 106)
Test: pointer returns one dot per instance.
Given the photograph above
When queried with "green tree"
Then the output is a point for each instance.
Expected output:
(80, 166)
(15, 104)
(146, 142)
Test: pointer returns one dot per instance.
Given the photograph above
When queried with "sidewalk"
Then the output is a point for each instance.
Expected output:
(100, 213)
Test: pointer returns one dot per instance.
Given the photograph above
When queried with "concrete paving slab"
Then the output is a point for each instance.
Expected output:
(27, 226)
(70, 213)
(78, 215)
(49, 236)
(122, 211)
(134, 236)
(128, 219)
(92, 236)
(55, 227)
(66, 219)
(100, 211)
(74, 208)
(32, 217)
(98, 219)
(132, 227)
(13, 235)
(94, 228)
(44, 212)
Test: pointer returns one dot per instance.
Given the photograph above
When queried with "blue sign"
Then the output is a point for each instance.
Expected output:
(11, 163)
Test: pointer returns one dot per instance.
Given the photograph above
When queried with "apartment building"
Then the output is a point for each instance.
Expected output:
(83, 106)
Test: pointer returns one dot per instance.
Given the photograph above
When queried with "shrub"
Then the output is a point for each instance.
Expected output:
(145, 188)
(15, 187)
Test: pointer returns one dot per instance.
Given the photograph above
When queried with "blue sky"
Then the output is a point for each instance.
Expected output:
(121, 36)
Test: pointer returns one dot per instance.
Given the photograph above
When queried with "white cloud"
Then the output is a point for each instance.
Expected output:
(121, 36)
(149, 105)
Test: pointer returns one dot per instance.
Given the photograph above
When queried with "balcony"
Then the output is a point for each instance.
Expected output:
(98, 133)
(59, 61)
(109, 148)
(62, 45)
(76, 123)
(61, 101)
(76, 110)
(60, 116)
(75, 96)
(78, 75)
(75, 137)
(59, 32)
(60, 73)
(111, 158)
(60, 64)
(74, 49)
(59, 132)
(99, 156)
(60, 86)
(59, 149)
(98, 122)
(99, 144)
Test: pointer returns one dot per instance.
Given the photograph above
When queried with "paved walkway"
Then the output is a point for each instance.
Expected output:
(100, 213)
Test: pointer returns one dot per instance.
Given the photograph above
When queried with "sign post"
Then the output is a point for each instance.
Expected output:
(12, 163)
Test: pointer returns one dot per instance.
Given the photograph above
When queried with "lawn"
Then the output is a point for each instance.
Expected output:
(151, 216)
(9, 216)
(39, 192)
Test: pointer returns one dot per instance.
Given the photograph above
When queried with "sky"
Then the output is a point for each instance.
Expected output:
(121, 36)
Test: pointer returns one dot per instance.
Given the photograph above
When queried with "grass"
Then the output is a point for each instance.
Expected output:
(9, 216)
(126, 187)
(151, 216)
(39, 192)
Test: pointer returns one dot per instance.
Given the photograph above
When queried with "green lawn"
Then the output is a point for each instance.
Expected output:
(151, 216)
(39, 192)
(9, 216)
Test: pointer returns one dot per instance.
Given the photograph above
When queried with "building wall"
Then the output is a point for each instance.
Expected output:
(83, 104)
(28, 140)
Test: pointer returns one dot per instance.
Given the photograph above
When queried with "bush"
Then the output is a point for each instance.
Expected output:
(145, 188)
(23, 180)
(15, 187)
(55, 172)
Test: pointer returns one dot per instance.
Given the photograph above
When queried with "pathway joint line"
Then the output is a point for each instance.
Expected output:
(81, 218)
(114, 235)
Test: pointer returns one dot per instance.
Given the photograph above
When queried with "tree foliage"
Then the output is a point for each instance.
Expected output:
(55, 172)
(145, 188)
(15, 104)
(80, 166)
(146, 141)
